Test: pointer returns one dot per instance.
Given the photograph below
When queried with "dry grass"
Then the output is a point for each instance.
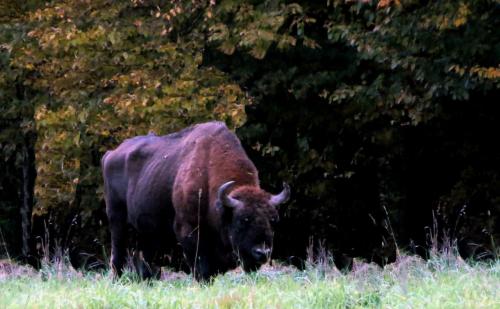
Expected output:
(11, 270)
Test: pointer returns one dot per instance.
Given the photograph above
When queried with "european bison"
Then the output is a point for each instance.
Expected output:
(196, 187)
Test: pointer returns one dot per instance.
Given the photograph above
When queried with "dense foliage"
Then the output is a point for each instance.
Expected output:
(380, 114)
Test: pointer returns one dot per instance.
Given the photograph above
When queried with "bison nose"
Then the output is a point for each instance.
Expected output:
(261, 254)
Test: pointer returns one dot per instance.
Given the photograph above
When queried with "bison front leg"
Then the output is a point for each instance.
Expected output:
(199, 262)
(195, 253)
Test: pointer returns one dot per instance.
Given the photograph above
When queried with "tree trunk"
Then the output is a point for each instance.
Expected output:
(27, 193)
(28, 171)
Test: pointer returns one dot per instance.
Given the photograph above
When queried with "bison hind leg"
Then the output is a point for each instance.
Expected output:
(145, 263)
(118, 228)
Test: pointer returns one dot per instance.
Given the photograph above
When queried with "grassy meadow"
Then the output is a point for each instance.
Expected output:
(441, 282)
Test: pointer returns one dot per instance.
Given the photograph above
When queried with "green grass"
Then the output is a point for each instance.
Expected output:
(410, 283)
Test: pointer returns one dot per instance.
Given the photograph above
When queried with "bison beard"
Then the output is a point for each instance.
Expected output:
(196, 187)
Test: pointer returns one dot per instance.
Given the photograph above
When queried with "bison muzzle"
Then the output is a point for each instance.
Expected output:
(196, 188)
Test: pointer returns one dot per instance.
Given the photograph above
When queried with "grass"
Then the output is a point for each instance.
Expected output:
(408, 283)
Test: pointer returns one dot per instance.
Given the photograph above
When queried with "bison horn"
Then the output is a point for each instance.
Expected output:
(225, 199)
(282, 197)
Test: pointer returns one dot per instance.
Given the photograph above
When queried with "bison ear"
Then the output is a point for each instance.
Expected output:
(282, 197)
(224, 199)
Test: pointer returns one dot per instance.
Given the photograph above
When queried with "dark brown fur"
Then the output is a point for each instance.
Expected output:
(166, 188)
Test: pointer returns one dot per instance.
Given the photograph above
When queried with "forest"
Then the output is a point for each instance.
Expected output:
(381, 115)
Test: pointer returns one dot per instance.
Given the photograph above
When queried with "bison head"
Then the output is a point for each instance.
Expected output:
(250, 215)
